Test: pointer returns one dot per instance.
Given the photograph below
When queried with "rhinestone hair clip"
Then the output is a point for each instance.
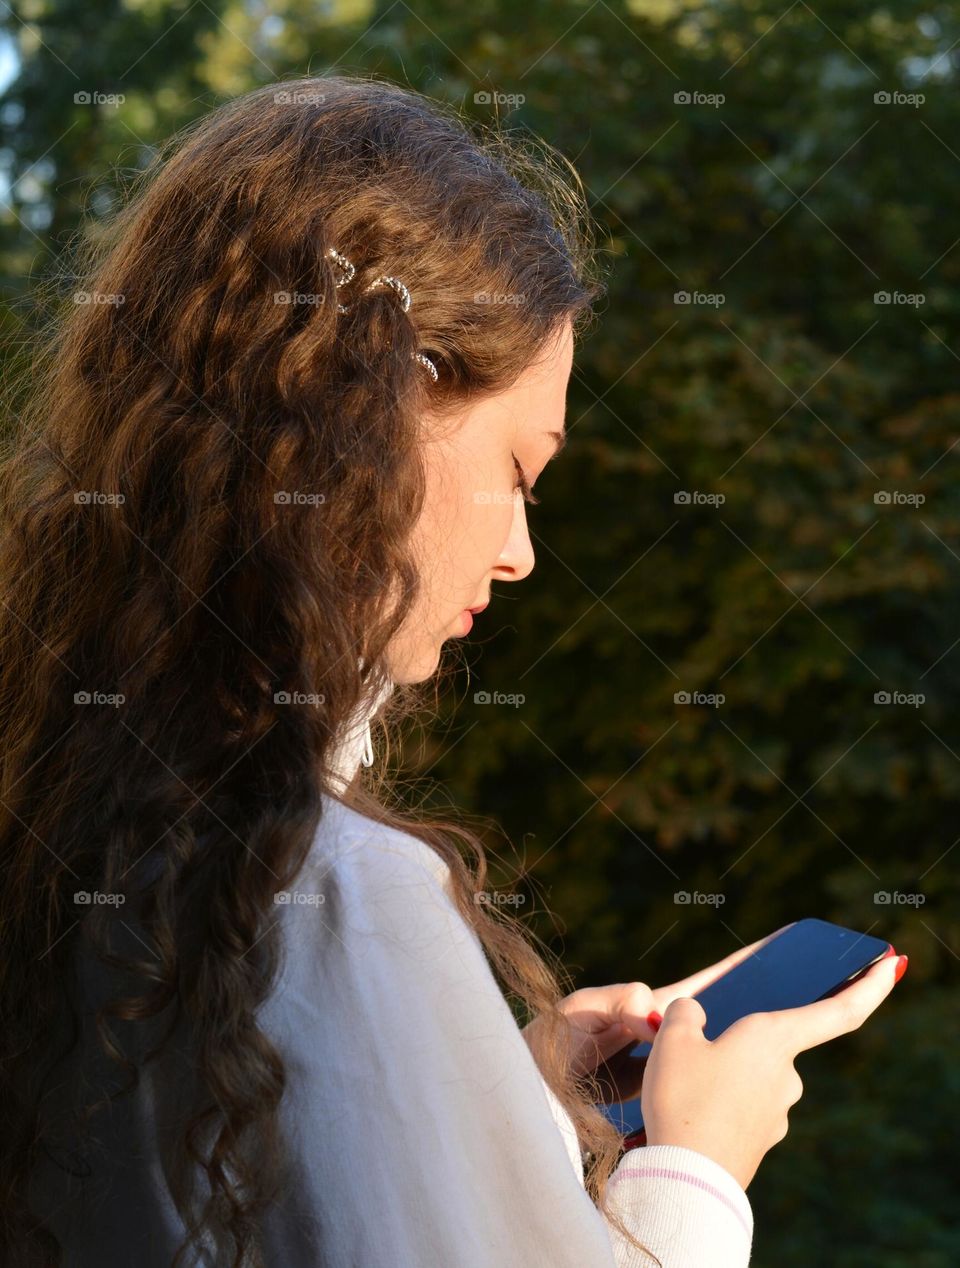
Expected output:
(347, 272)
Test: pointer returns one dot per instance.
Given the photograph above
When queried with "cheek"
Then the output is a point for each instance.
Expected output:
(472, 507)
(486, 517)
(466, 521)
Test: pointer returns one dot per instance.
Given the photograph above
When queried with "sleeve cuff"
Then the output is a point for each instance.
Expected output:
(683, 1205)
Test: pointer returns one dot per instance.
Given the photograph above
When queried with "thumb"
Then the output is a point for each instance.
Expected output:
(683, 1015)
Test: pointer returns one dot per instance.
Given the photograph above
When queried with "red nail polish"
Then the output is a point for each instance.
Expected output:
(901, 967)
(654, 1020)
(888, 953)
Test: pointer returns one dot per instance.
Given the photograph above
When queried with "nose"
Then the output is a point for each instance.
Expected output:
(516, 560)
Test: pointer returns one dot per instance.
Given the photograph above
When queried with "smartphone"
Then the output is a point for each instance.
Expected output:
(809, 960)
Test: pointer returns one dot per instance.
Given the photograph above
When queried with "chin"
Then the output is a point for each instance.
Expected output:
(418, 665)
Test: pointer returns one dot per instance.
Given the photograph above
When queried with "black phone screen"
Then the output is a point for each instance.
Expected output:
(808, 961)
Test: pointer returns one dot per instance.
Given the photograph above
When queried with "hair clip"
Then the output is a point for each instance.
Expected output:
(425, 361)
(397, 285)
(347, 273)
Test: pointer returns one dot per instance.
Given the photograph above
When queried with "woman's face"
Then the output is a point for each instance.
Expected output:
(473, 528)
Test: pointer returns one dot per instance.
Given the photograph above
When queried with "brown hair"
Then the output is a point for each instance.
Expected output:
(178, 380)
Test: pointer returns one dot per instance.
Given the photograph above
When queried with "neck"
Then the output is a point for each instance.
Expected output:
(355, 746)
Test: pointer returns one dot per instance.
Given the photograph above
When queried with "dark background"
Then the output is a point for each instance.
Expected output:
(798, 396)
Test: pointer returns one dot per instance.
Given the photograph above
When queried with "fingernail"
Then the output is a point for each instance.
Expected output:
(654, 1020)
(889, 952)
(901, 967)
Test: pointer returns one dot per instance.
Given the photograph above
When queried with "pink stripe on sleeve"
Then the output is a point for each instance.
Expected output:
(667, 1173)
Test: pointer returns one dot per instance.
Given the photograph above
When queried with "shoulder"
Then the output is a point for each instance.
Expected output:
(344, 836)
(366, 886)
(370, 927)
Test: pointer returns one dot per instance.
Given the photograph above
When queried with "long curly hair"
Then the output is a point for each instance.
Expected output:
(166, 600)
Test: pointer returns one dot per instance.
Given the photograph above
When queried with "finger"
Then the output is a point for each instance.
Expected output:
(683, 1016)
(596, 1008)
(812, 1024)
(696, 982)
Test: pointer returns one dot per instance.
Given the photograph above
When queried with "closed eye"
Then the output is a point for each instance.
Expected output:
(522, 485)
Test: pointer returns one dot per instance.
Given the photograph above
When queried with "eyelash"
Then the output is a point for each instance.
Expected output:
(523, 486)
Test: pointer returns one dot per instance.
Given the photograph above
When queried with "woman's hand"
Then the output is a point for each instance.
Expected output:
(607, 1021)
(729, 1097)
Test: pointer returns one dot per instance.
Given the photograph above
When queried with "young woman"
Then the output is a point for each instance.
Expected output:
(254, 1013)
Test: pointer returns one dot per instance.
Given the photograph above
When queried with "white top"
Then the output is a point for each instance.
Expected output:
(421, 1133)
(442, 1143)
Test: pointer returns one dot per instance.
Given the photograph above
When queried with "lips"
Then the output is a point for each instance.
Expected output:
(480, 608)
